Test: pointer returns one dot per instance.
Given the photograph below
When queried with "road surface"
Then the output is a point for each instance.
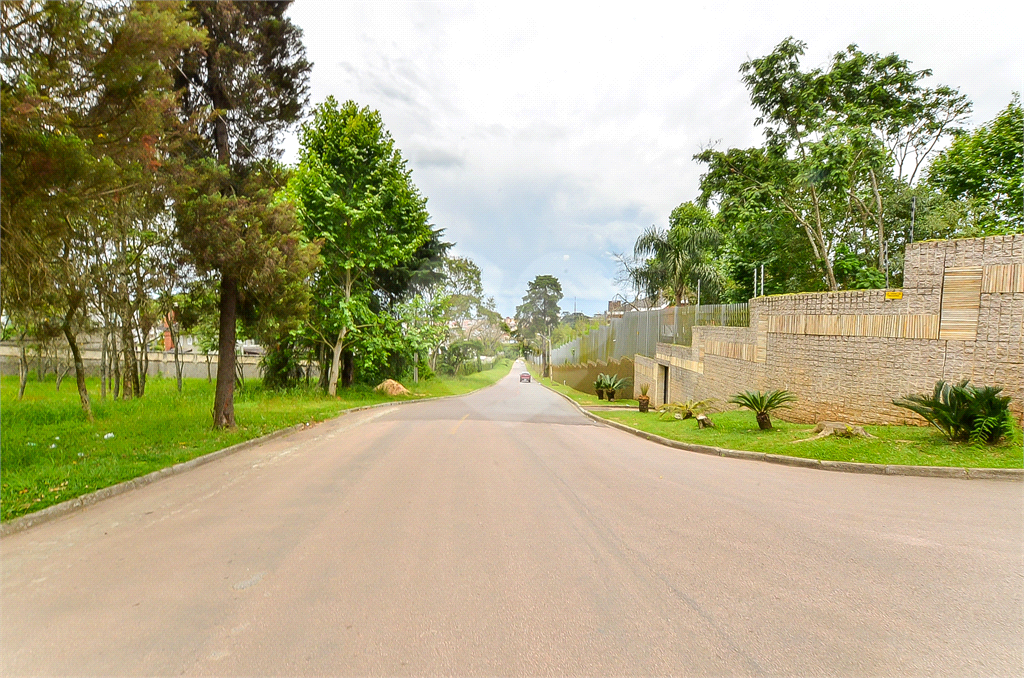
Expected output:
(503, 533)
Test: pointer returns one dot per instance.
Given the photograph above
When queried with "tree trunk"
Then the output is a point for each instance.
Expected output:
(22, 372)
(415, 368)
(348, 368)
(239, 372)
(61, 372)
(177, 353)
(879, 221)
(224, 399)
(131, 365)
(332, 380)
(764, 421)
(83, 393)
(103, 366)
(115, 362)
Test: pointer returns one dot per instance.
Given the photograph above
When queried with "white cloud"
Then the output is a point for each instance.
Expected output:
(537, 130)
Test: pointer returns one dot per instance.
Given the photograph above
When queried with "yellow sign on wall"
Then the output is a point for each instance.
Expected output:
(894, 294)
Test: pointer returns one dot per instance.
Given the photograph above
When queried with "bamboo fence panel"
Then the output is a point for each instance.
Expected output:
(961, 302)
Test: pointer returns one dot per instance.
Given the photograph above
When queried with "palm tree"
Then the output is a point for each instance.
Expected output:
(679, 257)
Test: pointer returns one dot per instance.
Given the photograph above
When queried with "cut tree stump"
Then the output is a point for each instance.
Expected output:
(839, 429)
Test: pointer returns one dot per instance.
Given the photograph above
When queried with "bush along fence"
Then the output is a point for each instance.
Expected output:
(848, 355)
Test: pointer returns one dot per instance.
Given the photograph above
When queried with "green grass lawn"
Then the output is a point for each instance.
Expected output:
(737, 430)
(584, 398)
(49, 453)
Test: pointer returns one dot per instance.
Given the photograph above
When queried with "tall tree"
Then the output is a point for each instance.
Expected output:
(539, 314)
(983, 170)
(680, 259)
(841, 146)
(244, 88)
(356, 196)
(89, 112)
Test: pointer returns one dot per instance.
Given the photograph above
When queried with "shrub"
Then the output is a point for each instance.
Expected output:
(687, 410)
(963, 412)
(762, 404)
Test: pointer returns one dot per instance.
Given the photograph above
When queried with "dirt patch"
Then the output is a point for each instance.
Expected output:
(392, 388)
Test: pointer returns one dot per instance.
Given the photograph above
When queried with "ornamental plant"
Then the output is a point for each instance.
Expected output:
(762, 404)
(964, 413)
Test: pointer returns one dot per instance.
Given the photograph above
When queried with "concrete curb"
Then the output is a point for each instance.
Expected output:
(1012, 474)
(51, 513)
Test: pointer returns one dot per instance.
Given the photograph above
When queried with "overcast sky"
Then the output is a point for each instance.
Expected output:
(547, 136)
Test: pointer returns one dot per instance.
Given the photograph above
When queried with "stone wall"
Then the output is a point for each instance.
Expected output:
(846, 355)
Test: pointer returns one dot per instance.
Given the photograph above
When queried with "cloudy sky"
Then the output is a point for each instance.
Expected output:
(547, 136)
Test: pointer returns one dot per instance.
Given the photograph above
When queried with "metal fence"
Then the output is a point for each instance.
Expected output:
(640, 331)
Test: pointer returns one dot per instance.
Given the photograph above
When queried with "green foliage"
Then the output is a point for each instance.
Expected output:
(539, 312)
(763, 404)
(982, 171)
(460, 357)
(843, 148)
(683, 410)
(963, 412)
(616, 383)
(356, 197)
(680, 257)
(759, 402)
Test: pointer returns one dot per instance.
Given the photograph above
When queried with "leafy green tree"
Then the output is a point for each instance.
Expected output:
(247, 84)
(539, 314)
(681, 257)
(842, 147)
(357, 198)
(983, 170)
(89, 114)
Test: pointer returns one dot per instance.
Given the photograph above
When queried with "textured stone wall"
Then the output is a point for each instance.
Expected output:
(846, 355)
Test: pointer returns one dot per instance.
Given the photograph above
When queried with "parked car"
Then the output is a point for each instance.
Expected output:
(524, 378)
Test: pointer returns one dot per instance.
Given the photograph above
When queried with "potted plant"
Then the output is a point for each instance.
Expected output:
(763, 403)
(614, 384)
(599, 385)
(643, 399)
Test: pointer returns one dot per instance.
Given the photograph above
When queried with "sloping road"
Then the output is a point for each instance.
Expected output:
(503, 533)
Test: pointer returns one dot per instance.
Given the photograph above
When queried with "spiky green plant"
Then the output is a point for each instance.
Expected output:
(679, 410)
(615, 383)
(762, 404)
(963, 413)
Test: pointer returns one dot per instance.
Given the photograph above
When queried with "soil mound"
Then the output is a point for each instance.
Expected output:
(392, 388)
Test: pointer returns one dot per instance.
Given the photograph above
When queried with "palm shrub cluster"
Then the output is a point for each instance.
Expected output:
(608, 384)
(964, 413)
(762, 404)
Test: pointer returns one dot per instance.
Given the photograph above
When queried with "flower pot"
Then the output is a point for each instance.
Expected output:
(645, 402)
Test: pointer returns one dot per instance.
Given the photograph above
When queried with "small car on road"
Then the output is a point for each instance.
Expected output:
(524, 378)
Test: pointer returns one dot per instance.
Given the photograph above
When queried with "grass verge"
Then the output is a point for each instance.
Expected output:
(737, 430)
(579, 396)
(50, 454)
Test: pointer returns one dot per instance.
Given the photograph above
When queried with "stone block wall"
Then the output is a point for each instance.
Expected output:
(847, 354)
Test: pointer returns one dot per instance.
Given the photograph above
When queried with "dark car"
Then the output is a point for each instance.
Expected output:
(524, 378)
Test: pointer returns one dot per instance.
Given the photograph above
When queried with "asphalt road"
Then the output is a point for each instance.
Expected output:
(503, 533)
